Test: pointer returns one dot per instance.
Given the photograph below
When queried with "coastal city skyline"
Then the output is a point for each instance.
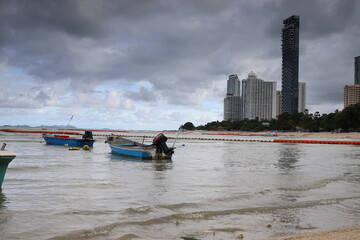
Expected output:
(156, 65)
(255, 98)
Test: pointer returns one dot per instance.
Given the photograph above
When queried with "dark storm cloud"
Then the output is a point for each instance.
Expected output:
(50, 35)
(175, 45)
(318, 18)
(71, 17)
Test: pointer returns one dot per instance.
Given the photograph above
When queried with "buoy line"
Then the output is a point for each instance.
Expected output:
(306, 141)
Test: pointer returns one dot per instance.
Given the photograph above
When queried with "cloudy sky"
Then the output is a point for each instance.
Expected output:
(148, 64)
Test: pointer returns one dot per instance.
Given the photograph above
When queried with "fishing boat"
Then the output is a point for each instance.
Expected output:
(5, 158)
(66, 140)
(157, 150)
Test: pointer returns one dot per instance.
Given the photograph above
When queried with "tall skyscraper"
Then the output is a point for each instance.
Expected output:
(290, 64)
(233, 86)
(258, 97)
(302, 96)
(232, 101)
(357, 70)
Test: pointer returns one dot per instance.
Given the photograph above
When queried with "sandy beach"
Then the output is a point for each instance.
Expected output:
(350, 233)
(349, 135)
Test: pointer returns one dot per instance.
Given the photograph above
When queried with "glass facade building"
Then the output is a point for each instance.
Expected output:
(233, 86)
(290, 65)
(232, 101)
(357, 70)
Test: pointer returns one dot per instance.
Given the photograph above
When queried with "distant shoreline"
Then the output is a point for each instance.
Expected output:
(350, 135)
(335, 135)
(348, 233)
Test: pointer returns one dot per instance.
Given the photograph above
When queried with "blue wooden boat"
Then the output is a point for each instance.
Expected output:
(5, 158)
(157, 150)
(66, 140)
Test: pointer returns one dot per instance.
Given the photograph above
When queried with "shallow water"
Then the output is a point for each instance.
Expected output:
(210, 190)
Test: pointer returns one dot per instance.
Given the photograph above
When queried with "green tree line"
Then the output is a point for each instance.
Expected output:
(345, 120)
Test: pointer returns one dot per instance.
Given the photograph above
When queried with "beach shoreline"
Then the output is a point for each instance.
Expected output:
(347, 233)
(343, 135)
(350, 135)
(100, 132)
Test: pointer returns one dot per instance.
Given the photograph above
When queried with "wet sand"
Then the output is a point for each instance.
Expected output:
(350, 233)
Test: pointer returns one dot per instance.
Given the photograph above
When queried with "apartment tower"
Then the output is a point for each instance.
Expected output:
(259, 98)
(352, 92)
(351, 95)
(232, 101)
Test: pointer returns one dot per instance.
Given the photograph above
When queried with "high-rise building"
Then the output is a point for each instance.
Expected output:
(302, 96)
(232, 108)
(278, 103)
(233, 86)
(351, 95)
(259, 98)
(302, 99)
(290, 64)
(232, 101)
(357, 70)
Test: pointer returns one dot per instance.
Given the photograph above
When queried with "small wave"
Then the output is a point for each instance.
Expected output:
(24, 168)
(315, 185)
(88, 212)
(140, 210)
(253, 195)
(206, 215)
(83, 234)
(15, 180)
(197, 216)
(177, 206)
(149, 209)
(128, 237)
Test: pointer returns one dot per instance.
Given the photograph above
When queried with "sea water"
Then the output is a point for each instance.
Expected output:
(212, 189)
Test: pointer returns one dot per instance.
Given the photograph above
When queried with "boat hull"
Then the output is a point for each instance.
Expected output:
(134, 151)
(71, 142)
(138, 152)
(127, 147)
(5, 158)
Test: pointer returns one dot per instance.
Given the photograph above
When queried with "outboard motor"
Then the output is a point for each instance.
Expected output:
(87, 135)
(160, 142)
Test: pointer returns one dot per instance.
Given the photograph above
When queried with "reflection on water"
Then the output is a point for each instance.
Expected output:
(3, 210)
(120, 157)
(2, 199)
(162, 164)
(289, 155)
(353, 173)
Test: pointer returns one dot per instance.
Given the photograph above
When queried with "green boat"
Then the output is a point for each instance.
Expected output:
(5, 158)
